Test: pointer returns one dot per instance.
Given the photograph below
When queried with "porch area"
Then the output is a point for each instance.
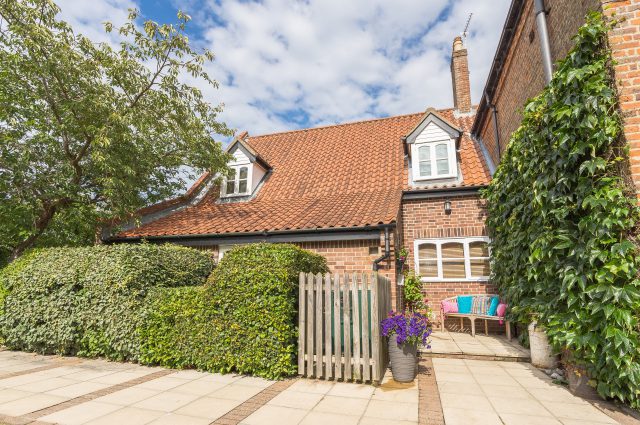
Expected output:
(462, 344)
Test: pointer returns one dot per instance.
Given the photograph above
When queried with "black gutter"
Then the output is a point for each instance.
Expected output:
(261, 235)
(508, 32)
(441, 192)
(387, 250)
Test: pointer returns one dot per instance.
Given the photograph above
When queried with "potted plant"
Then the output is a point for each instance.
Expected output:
(580, 384)
(403, 253)
(405, 330)
(542, 354)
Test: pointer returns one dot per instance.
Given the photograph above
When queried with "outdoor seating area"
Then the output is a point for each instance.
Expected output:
(473, 307)
(460, 344)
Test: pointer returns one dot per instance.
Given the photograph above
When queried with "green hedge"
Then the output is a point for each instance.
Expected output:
(243, 320)
(89, 301)
(564, 224)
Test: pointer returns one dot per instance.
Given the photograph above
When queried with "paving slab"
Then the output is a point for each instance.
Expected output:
(501, 392)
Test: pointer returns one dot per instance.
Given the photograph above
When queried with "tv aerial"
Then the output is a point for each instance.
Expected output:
(466, 28)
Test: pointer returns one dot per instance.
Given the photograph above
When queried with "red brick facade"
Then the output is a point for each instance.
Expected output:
(624, 41)
(522, 76)
(427, 219)
(350, 256)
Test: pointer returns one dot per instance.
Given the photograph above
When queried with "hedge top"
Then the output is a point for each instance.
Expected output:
(139, 266)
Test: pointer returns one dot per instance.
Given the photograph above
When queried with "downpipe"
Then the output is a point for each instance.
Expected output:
(545, 49)
(387, 250)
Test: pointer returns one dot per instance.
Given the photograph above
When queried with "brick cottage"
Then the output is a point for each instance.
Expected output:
(358, 192)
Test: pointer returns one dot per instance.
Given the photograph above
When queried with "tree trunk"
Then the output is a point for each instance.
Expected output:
(48, 211)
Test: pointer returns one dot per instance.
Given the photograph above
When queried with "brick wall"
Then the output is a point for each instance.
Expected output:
(624, 41)
(426, 219)
(460, 77)
(350, 256)
(522, 76)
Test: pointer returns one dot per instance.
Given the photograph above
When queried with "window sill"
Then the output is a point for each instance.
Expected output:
(473, 279)
(443, 177)
(235, 195)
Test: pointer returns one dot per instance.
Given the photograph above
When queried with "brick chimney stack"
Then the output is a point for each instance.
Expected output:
(460, 77)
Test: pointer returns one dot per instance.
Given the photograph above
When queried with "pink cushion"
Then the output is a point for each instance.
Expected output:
(449, 306)
(501, 310)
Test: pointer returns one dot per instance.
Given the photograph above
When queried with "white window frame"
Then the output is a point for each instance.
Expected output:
(415, 160)
(249, 179)
(467, 259)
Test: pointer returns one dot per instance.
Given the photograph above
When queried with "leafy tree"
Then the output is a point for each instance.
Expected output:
(88, 131)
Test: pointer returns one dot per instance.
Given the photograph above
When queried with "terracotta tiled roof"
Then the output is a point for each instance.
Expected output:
(348, 175)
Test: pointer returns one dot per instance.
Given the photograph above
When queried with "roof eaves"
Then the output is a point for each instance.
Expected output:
(506, 38)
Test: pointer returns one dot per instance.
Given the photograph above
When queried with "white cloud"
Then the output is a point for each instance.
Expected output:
(285, 63)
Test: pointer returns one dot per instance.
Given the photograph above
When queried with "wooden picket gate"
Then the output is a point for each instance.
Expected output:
(339, 326)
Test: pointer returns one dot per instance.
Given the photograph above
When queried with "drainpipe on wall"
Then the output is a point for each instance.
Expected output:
(494, 116)
(387, 250)
(545, 49)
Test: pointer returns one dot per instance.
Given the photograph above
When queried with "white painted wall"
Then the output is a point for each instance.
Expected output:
(432, 133)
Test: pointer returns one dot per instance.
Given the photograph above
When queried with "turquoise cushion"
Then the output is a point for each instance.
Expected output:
(464, 304)
(493, 307)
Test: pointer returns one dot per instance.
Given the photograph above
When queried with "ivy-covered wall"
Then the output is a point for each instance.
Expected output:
(562, 220)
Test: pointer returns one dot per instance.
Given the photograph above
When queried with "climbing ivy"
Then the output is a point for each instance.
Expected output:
(562, 220)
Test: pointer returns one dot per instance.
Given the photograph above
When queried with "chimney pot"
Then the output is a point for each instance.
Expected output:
(460, 76)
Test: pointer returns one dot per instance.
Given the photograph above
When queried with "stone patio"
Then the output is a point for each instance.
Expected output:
(71, 391)
(511, 393)
(460, 344)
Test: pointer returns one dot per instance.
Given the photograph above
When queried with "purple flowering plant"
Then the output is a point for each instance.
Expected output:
(409, 327)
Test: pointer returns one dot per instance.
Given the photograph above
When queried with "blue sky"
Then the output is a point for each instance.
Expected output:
(285, 64)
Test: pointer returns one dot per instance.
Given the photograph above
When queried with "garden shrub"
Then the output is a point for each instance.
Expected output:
(89, 301)
(244, 319)
(562, 220)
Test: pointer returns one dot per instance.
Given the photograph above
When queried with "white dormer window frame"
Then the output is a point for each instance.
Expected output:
(434, 160)
(238, 183)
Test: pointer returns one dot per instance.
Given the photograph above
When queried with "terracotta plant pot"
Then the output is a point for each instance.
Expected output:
(579, 383)
(403, 360)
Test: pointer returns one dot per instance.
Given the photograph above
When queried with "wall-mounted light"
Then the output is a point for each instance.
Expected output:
(447, 206)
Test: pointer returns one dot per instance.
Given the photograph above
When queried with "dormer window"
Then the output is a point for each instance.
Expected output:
(431, 147)
(434, 160)
(237, 181)
(247, 171)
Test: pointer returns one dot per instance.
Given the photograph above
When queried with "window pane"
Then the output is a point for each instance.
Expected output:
(242, 186)
(424, 153)
(453, 269)
(426, 250)
(443, 166)
(478, 249)
(452, 250)
(425, 168)
(231, 186)
(480, 267)
(243, 172)
(442, 151)
(232, 174)
(428, 268)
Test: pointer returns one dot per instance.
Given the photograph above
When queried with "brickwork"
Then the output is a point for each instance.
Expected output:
(624, 41)
(349, 256)
(522, 75)
(460, 77)
(427, 219)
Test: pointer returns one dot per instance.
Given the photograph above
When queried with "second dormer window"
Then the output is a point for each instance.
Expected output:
(237, 181)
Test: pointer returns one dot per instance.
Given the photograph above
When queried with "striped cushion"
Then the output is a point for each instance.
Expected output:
(480, 305)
